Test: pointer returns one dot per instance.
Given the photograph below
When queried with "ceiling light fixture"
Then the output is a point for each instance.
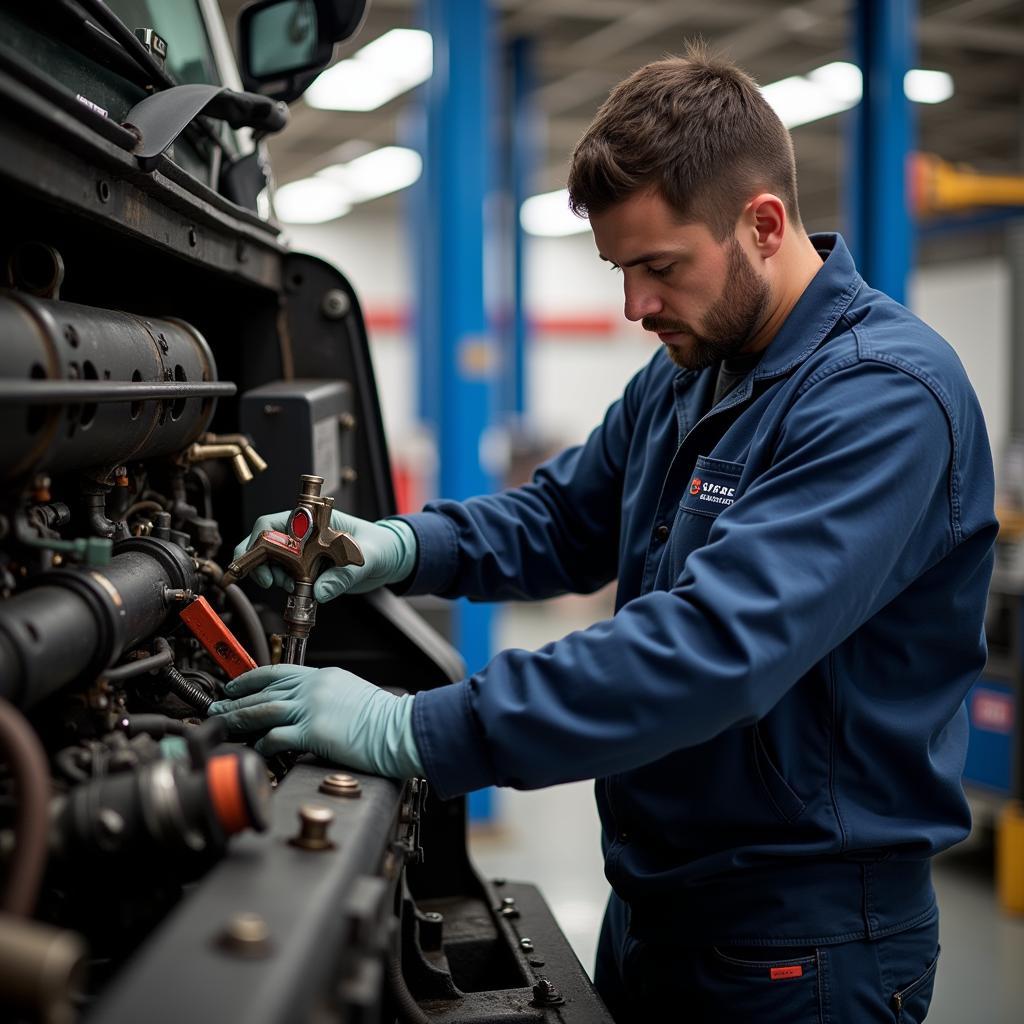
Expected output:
(332, 192)
(379, 173)
(928, 86)
(797, 100)
(310, 201)
(392, 64)
(549, 215)
(836, 87)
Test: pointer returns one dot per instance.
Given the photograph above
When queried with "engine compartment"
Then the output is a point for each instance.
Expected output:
(169, 369)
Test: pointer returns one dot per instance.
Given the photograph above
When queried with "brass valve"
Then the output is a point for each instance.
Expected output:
(307, 546)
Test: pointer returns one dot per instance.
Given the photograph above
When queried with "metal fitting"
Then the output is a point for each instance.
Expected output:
(315, 821)
(341, 785)
(245, 935)
(335, 304)
(545, 994)
(508, 908)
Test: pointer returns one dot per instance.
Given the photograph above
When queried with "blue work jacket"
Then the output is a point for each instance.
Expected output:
(775, 712)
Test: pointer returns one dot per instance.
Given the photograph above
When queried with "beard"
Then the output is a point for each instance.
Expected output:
(728, 326)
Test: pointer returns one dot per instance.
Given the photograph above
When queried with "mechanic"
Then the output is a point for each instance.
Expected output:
(795, 496)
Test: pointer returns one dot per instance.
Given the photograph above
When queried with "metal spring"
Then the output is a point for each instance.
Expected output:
(191, 693)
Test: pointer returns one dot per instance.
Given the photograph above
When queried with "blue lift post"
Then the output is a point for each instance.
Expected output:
(880, 221)
(459, 356)
(523, 129)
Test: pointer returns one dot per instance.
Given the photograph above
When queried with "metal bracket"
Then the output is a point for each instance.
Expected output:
(160, 118)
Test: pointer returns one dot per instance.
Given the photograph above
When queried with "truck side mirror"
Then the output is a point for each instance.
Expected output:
(285, 44)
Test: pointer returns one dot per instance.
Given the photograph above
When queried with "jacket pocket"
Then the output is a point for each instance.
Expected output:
(787, 804)
(713, 486)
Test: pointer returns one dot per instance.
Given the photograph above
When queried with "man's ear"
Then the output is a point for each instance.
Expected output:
(764, 217)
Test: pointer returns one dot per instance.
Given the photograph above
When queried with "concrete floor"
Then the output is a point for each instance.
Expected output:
(981, 974)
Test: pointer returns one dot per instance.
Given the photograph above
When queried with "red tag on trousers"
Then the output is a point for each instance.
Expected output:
(796, 971)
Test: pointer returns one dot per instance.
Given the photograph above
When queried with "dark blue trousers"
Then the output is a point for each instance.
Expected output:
(883, 980)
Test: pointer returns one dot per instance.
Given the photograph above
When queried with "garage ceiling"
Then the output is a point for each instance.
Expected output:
(583, 47)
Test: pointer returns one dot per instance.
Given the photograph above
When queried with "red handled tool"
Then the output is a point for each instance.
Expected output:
(220, 643)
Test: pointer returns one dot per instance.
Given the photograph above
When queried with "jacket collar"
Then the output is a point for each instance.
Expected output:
(816, 312)
(809, 323)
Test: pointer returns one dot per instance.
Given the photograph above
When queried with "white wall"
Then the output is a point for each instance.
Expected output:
(371, 252)
(969, 305)
(572, 378)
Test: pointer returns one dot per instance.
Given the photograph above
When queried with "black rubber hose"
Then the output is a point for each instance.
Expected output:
(156, 726)
(27, 761)
(247, 618)
(408, 1009)
(140, 665)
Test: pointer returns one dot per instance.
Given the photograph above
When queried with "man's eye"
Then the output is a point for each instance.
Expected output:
(660, 271)
(615, 267)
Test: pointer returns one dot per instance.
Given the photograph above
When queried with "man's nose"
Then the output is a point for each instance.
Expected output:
(641, 301)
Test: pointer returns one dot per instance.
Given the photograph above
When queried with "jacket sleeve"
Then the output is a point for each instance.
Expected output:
(557, 534)
(855, 504)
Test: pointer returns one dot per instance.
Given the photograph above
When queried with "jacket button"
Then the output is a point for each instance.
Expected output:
(661, 533)
(623, 837)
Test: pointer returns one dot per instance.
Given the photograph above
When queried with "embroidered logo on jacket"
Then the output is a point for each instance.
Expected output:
(716, 494)
(713, 487)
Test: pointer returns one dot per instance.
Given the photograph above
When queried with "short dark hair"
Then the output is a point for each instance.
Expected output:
(697, 129)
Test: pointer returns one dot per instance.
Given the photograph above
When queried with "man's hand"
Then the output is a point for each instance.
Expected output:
(327, 711)
(388, 546)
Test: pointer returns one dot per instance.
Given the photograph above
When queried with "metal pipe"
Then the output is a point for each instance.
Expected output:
(49, 392)
(204, 452)
(27, 761)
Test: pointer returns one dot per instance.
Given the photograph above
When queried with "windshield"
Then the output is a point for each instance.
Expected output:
(189, 55)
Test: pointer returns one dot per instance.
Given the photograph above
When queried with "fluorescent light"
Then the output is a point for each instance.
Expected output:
(549, 214)
(798, 100)
(332, 192)
(835, 87)
(397, 61)
(375, 174)
(310, 201)
(840, 80)
(928, 86)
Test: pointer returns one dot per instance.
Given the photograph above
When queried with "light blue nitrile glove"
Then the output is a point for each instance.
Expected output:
(327, 711)
(388, 546)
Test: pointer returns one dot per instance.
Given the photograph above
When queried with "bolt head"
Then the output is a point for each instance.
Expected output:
(545, 994)
(314, 822)
(336, 304)
(339, 784)
(245, 935)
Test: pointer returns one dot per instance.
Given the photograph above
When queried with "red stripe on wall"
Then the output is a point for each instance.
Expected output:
(392, 321)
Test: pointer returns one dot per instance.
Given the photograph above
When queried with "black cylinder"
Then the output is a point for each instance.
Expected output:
(75, 622)
(65, 343)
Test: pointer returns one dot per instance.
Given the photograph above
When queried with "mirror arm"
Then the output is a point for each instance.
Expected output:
(160, 118)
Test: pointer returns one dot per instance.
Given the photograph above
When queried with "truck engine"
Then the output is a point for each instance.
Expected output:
(170, 369)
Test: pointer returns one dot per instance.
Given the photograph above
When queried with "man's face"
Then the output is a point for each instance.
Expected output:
(703, 298)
